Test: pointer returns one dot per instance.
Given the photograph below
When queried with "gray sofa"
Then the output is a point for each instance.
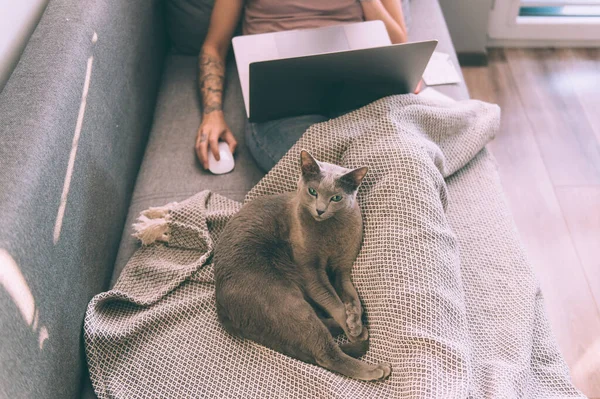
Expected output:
(77, 166)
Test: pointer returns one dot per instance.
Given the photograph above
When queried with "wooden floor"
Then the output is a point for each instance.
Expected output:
(548, 153)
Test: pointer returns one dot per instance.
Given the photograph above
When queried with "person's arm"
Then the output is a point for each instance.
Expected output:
(390, 12)
(211, 66)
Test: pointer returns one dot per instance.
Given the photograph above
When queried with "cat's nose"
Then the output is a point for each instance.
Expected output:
(320, 212)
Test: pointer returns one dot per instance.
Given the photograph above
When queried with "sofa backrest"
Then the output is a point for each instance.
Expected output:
(187, 24)
(74, 117)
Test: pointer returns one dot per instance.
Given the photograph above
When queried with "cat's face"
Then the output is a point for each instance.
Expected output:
(324, 189)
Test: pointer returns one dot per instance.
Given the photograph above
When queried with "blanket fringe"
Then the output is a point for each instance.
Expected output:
(153, 224)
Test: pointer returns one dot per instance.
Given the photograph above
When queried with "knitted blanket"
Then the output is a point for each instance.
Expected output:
(450, 327)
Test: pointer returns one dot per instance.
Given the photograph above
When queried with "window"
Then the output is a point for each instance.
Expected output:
(545, 22)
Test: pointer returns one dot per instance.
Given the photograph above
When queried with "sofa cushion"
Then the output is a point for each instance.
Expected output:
(170, 170)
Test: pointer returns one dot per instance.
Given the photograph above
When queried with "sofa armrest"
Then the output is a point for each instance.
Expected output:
(74, 117)
(428, 23)
(17, 22)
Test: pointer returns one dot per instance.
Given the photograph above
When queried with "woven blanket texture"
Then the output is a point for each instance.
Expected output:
(450, 299)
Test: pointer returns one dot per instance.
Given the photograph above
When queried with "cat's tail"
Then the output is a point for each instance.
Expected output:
(355, 349)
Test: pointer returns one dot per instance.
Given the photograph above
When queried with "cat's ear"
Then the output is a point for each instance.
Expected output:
(351, 180)
(308, 164)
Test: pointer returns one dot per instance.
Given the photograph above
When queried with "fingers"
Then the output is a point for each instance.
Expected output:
(230, 140)
(202, 148)
(419, 87)
(213, 141)
(208, 140)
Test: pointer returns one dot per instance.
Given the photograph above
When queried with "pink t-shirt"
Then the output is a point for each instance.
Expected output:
(262, 16)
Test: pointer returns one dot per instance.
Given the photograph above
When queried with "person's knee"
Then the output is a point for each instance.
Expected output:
(256, 147)
(270, 141)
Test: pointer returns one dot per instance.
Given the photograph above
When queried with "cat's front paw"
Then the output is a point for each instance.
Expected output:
(364, 335)
(354, 322)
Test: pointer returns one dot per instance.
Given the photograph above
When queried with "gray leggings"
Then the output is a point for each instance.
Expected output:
(269, 141)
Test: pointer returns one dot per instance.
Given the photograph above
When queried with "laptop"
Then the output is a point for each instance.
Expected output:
(325, 70)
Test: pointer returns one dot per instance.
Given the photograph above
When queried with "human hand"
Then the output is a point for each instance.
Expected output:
(213, 128)
(419, 87)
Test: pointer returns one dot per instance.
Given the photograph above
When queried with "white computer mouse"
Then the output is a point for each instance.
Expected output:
(225, 164)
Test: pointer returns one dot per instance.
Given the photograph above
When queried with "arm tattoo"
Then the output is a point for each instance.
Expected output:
(210, 83)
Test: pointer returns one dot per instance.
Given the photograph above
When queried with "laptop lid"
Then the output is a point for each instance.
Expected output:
(335, 82)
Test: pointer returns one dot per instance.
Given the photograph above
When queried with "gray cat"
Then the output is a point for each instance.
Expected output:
(282, 271)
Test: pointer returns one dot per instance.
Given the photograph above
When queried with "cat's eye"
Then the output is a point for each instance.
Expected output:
(336, 198)
(312, 191)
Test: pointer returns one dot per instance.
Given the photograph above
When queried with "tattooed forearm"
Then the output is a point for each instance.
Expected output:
(210, 82)
(209, 106)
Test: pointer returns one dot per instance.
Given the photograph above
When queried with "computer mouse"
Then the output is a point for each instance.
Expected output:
(225, 164)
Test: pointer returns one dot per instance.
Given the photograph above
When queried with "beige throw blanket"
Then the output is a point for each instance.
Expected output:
(450, 327)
